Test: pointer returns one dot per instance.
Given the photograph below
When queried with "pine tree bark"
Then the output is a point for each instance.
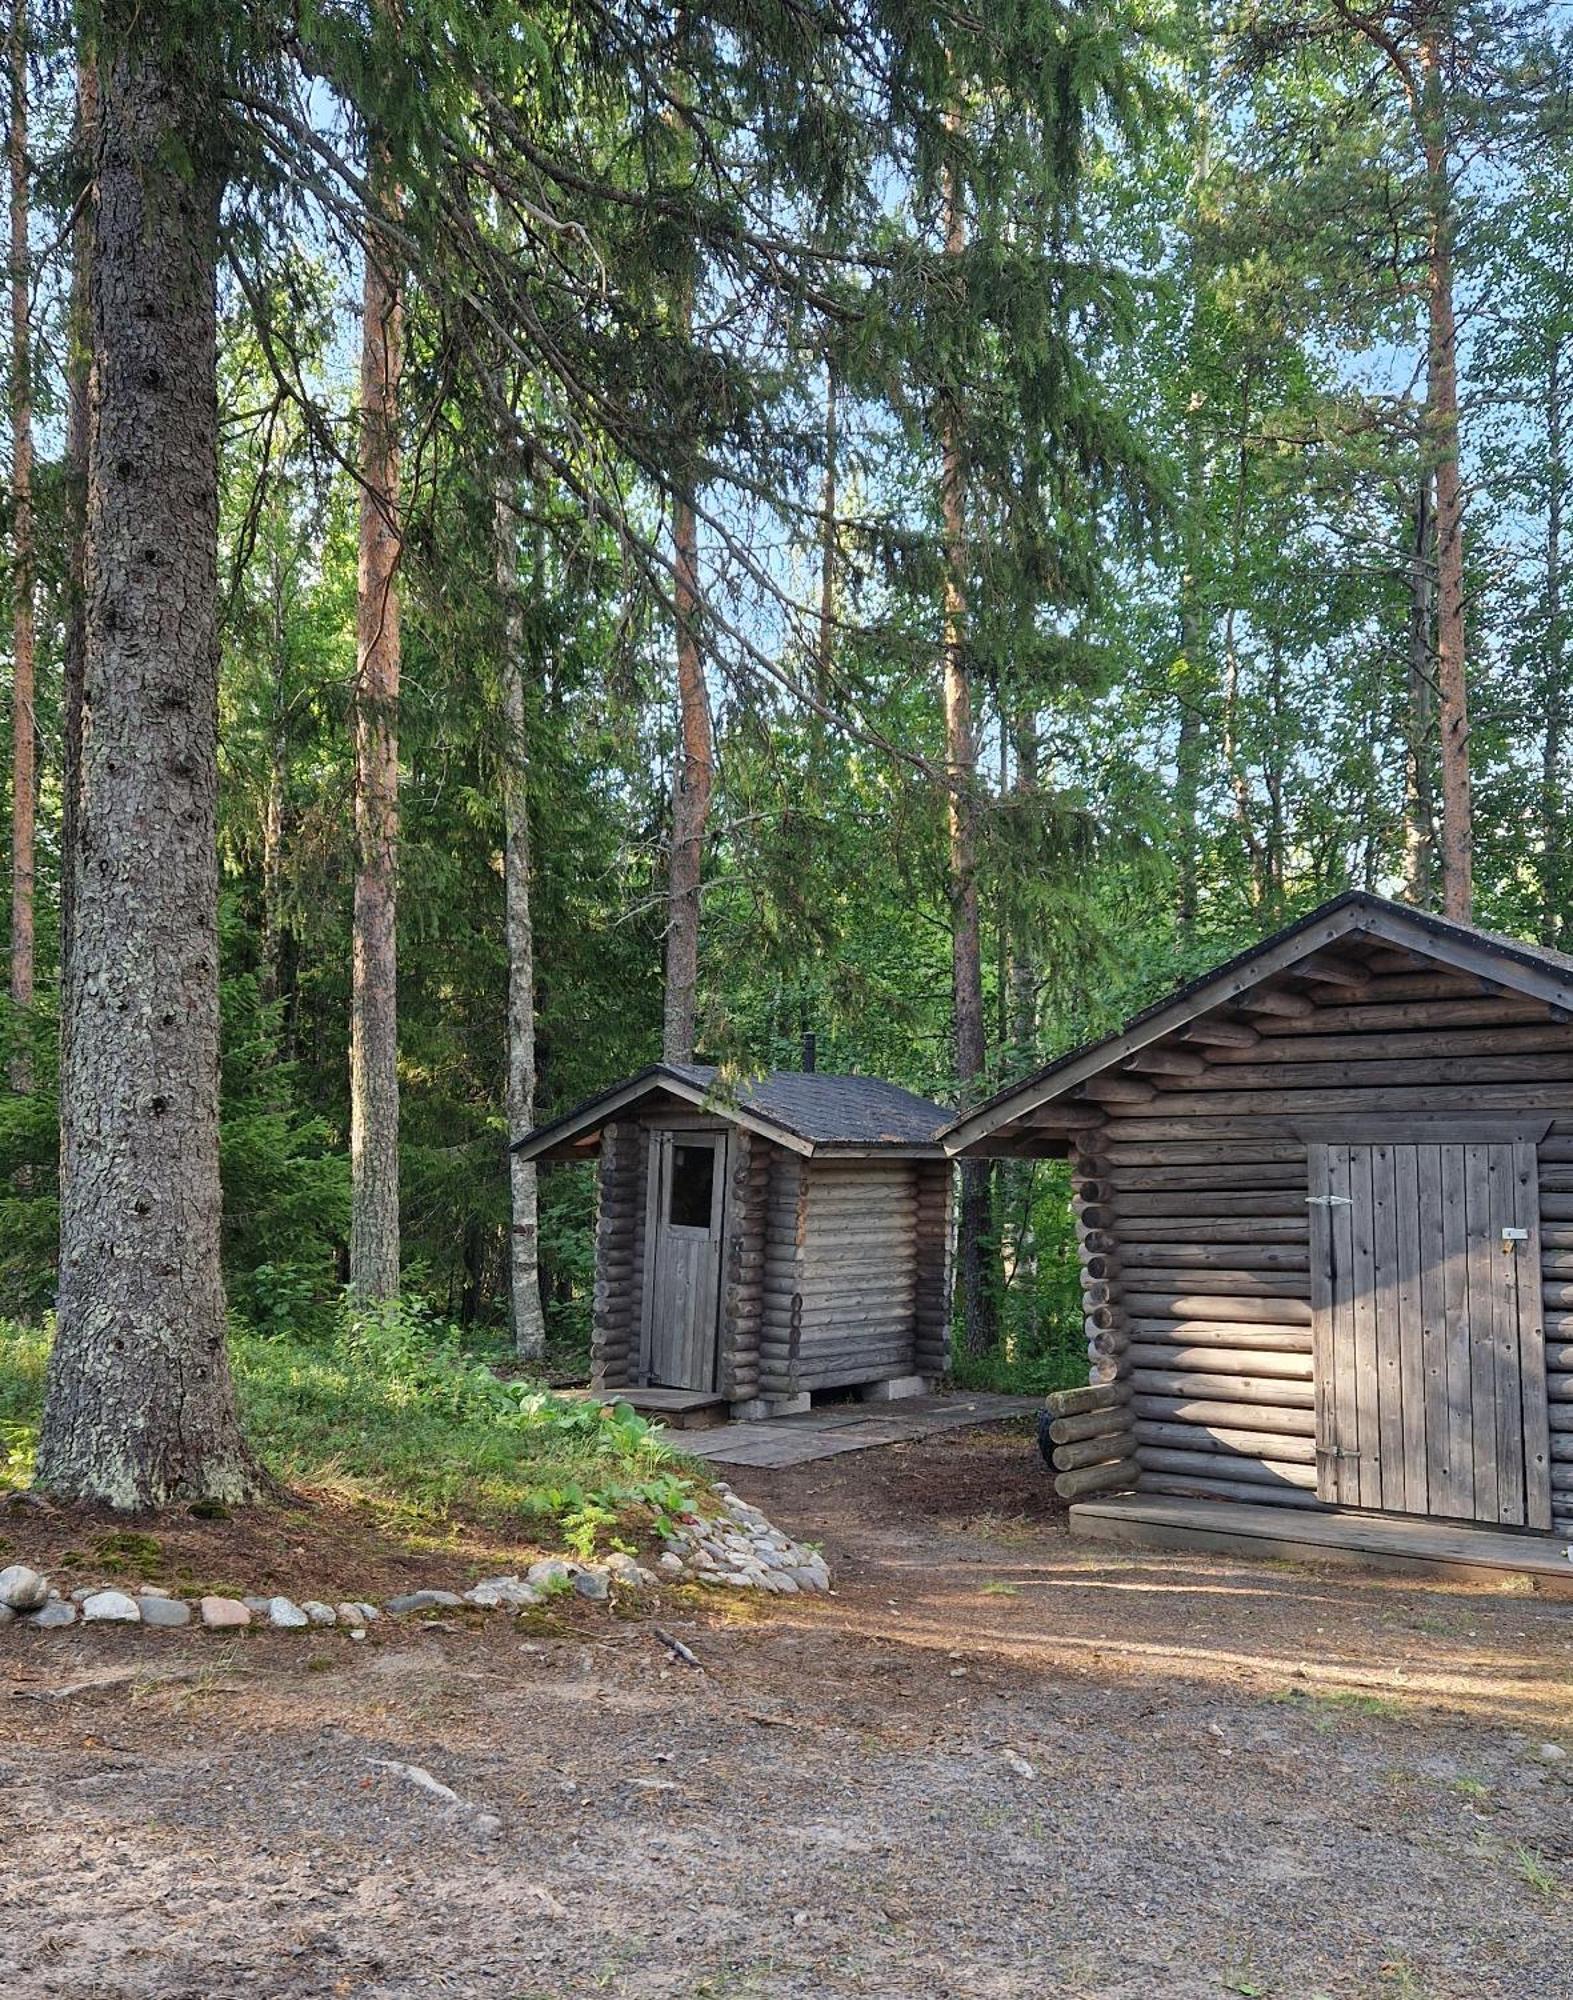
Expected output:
(825, 650)
(975, 1222)
(1419, 802)
(74, 651)
(1553, 808)
(524, 1274)
(1442, 425)
(24, 728)
(374, 1031)
(140, 1406)
(693, 780)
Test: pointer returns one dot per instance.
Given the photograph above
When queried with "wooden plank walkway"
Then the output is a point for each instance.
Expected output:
(839, 1427)
(1459, 1551)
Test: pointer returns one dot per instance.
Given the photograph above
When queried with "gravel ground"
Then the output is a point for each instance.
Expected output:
(995, 1763)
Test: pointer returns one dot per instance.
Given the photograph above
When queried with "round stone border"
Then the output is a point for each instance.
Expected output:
(735, 1547)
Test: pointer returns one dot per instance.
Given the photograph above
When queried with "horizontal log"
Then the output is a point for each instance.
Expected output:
(1423, 1044)
(1561, 1478)
(1333, 1103)
(1230, 1443)
(1117, 1090)
(1112, 1422)
(1096, 1479)
(1137, 1257)
(1217, 1230)
(1559, 1355)
(1218, 1465)
(1270, 1078)
(1112, 1448)
(1193, 1409)
(1189, 1151)
(1382, 1015)
(1259, 1335)
(1556, 1207)
(1274, 1000)
(1218, 1031)
(1560, 1417)
(1247, 1389)
(1227, 1489)
(1276, 1311)
(1259, 1363)
(1559, 1387)
(1161, 1061)
(1075, 1402)
(1328, 968)
(1287, 1175)
(1562, 1450)
(1173, 1279)
(1212, 1202)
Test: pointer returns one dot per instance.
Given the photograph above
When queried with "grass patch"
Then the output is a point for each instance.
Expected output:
(392, 1411)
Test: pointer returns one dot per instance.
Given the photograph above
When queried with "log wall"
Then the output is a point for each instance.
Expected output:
(1190, 1191)
(619, 1255)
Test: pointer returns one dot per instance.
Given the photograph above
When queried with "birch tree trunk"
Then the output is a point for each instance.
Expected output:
(1442, 425)
(374, 1027)
(975, 1216)
(524, 1276)
(140, 1408)
(24, 730)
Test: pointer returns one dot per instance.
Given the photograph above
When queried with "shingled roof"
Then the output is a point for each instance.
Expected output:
(807, 1111)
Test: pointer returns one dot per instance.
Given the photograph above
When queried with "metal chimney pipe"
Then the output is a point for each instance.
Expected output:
(810, 1052)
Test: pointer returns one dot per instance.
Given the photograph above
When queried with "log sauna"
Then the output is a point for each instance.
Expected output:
(1323, 1199)
(762, 1239)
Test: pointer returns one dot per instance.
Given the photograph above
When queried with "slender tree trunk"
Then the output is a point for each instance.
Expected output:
(826, 653)
(1553, 812)
(1022, 1020)
(1419, 803)
(524, 1274)
(140, 1407)
(374, 1026)
(273, 804)
(24, 727)
(78, 373)
(692, 781)
(1442, 424)
(975, 1219)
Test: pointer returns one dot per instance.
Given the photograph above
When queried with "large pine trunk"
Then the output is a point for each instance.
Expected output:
(1419, 805)
(692, 782)
(524, 1275)
(1442, 422)
(374, 1021)
(1553, 804)
(24, 733)
(140, 1407)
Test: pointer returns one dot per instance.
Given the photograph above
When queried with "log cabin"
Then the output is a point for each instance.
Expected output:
(762, 1240)
(1323, 1197)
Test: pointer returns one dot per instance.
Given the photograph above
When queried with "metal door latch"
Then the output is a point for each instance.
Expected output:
(1329, 1201)
(1515, 1235)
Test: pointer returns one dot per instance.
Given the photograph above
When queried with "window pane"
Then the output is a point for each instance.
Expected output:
(693, 1181)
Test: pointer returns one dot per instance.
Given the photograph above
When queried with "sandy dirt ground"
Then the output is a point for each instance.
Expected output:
(995, 1763)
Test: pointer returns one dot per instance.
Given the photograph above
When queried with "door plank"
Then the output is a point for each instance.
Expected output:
(1363, 1277)
(1507, 1395)
(1531, 1339)
(1346, 1410)
(1455, 1323)
(1384, 1305)
(1411, 1326)
(1323, 1345)
(1482, 1352)
(1441, 1487)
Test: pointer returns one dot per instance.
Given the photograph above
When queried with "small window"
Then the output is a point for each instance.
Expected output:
(693, 1184)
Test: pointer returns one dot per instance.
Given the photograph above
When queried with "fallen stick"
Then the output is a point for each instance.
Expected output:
(676, 1648)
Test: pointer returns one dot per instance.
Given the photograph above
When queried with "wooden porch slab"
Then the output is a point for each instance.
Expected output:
(839, 1427)
(1459, 1551)
(683, 1409)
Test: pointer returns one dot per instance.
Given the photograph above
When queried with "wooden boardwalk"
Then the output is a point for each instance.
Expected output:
(1455, 1550)
(840, 1427)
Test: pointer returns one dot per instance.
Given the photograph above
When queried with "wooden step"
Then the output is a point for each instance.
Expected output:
(679, 1409)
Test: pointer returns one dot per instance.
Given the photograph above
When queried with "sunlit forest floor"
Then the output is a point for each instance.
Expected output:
(995, 1763)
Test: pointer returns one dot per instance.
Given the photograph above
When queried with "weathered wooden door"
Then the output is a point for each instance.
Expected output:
(1428, 1336)
(683, 1273)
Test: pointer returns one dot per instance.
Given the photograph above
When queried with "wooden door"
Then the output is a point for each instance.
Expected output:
(681, 1320)
(1428, 1337)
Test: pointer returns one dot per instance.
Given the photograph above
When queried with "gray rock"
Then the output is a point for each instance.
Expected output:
(669, 1563)
(318, 1612)
(260, 1605)
(6, 1614)
(425, 1600)
(167, 1611)
(110, 1607)
(550, 1574)
(224, 1614)
(351, 1615)
(1552, 1753)
(505, 1593)
(369, 1612)
(285, 1615)
(54, 1617)
(594, 1584)
(23, 1589)
(153, 1590)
